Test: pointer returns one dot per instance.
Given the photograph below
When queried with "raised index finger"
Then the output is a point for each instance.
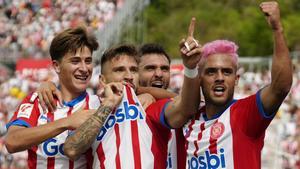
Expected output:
(192, 27)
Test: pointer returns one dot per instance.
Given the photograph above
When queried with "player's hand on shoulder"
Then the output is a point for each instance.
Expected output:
(47, 91)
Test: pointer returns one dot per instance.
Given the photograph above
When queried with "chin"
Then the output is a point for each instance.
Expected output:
(81, 87)
(219, 101)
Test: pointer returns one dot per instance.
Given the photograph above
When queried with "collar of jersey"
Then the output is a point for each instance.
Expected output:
(76, 100)
(218, 114)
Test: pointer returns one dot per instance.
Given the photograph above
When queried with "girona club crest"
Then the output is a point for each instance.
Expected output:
(217, 130)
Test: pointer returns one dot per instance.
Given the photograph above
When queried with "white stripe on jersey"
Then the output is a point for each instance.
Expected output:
(172, 151)
(144, 132)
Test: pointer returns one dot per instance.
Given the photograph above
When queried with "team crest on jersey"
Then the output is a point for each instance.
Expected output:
(25, 110)
(217, 130)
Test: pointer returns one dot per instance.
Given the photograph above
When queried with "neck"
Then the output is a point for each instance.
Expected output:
(68, 95)
(212, 109)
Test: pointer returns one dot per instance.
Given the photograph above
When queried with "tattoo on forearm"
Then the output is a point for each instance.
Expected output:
(87, 132)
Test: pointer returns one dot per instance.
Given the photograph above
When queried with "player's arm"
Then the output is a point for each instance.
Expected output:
(85, 135)
(148, 95)
(22, 134)
(157, 93)
(281, 73)
(20, 138)
(177, 112)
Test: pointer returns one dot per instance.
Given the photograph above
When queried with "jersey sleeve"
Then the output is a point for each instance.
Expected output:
(250, 116)
(156, 111)
(26, 114)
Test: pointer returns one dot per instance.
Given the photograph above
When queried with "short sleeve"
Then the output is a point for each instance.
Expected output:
(26, 114)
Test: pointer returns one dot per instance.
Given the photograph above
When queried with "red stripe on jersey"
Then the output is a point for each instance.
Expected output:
(190, 128)
(213, 144)
(134, 135)
(71, 164)
(50, 116)
(89, 158)
(87, 102)
(118, 163)
(189, 133)
(70, 111)
(181, 151)
(197, 117)
(159, 152)
(202, 127)
(50, 162)
(32, 157)
(101, 155)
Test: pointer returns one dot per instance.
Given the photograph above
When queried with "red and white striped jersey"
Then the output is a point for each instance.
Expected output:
(132, 138)
(49, 154)
(231, 139)
(176, 151)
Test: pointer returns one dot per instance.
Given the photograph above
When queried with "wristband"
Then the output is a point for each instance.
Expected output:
(190, 73)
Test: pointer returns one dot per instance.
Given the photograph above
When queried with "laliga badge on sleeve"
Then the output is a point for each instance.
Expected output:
(25, 110)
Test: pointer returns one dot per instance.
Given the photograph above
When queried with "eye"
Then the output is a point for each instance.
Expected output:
(75, 61)
(227, 72)
(210, 71)
(119, 69)
(134, 69)
(88, 61)
(165, 68)
(150, 68)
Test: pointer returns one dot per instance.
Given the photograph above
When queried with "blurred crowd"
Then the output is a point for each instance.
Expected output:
(28, 26)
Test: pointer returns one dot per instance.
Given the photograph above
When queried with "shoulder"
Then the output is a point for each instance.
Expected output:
(244, 103)
(29, 102)
(158, 104)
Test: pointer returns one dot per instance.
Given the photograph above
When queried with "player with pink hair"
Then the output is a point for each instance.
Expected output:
(228, 133)
(220, 46)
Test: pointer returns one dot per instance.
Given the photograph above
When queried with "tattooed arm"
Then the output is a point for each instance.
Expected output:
(85, 135)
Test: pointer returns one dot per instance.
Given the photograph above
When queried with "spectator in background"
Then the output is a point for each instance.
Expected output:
(29, 26)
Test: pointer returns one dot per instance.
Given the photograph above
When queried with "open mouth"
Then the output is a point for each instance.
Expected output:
(219, 90)
(81, 77)
(158, 84)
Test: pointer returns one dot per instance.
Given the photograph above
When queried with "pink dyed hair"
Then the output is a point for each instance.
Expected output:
(221, 47)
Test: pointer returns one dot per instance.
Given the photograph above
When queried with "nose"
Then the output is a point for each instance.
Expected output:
(220, 76)
(158, 73)
(128, 77)
(83, 67)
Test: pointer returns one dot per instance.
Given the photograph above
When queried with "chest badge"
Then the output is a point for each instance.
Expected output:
(217, 130)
